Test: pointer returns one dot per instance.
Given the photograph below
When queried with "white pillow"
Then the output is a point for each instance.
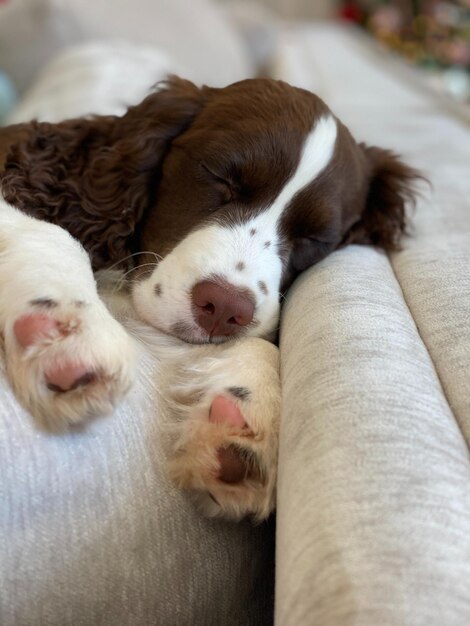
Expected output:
(101, 78)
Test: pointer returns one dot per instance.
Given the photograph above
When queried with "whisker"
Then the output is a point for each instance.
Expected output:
(145, 273)
(103, 277)
(129, 256)
(153, 264)
(122, 277)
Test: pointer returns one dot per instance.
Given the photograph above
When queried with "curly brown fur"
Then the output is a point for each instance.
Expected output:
(96, 176)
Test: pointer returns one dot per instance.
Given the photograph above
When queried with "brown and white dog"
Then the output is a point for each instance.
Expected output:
(227, 194)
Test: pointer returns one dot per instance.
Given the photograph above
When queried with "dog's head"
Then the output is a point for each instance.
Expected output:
(234, 191)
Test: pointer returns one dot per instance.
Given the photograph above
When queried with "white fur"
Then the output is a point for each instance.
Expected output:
(191, 385)
(216, 250)
(40, 260)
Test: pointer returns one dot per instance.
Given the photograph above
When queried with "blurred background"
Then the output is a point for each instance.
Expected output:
(433, 36)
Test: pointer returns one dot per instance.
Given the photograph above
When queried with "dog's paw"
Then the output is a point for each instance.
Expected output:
(224, 446)
(67, 362)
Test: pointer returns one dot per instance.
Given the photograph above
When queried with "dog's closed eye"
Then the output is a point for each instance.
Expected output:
(309, 250)
(222, 184)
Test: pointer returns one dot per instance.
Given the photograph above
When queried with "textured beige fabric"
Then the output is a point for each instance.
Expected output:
(374, 492)
(92, 533)
(435, 277)
(373, 501)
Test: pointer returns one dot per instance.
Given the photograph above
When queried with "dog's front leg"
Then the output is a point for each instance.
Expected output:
(67, 358)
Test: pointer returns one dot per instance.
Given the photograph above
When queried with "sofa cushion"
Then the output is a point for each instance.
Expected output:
(374, 472)
(92, 532)
(373, 496)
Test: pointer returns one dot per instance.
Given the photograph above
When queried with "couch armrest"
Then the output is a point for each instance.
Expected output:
(373, 500)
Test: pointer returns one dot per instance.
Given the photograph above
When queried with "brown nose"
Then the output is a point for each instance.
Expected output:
(221, 309)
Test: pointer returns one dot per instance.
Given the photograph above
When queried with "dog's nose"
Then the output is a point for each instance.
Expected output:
(221, 309)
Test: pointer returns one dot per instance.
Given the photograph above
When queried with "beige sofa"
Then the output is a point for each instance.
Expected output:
(373, 522)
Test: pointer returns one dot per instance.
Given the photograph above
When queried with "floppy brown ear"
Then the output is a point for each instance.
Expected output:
(391, 187)
(95, 176)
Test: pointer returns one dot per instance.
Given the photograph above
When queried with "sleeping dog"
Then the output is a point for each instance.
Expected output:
(216, 199)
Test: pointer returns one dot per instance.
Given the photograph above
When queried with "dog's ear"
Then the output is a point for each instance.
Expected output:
(96, 176)
(390, 188)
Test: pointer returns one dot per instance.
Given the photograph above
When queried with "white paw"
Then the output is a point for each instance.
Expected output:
(225, 435)
(67, 362)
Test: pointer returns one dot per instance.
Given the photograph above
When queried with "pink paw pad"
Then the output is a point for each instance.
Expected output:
(224, 411)
(232, 467)
(31, 328)
(69, 376)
